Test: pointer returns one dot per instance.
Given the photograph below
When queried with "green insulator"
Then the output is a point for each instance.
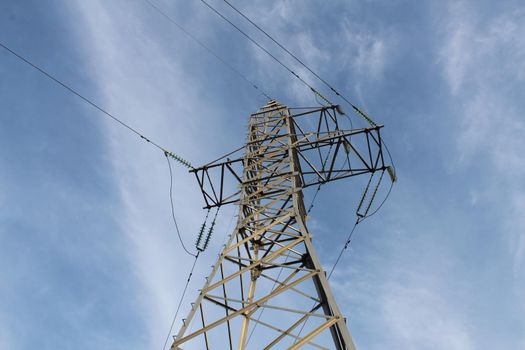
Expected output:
(208, 236)
(179, 159)
(201, 247)
(363, 197)
(374, 194)
(199, 237)
(367, 118)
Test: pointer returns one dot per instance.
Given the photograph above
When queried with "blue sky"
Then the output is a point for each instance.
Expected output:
(88, 255)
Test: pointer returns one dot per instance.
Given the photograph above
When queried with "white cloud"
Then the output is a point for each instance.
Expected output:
(405, 293)
(480, 51)
(455, 54)
(422, 319)
(276, 20)
(486, 61)
(363, 51)
(491, 127)
(483, 61)
(145, 84)
(366, 52)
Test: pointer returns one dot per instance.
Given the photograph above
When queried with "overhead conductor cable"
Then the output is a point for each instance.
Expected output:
(90, 102)
(167, 153)
(207, 48)
(316, 92)
(359, 111)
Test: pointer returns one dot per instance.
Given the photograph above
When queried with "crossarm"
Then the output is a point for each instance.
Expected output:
(324, 156)
(340, 154)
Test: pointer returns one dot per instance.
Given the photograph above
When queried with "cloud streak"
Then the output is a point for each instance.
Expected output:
(484, 63)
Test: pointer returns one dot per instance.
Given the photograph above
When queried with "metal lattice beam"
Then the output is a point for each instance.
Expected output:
(268, 275)
(325, 153)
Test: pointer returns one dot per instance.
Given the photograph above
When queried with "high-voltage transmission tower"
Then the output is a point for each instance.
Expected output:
(268, 289)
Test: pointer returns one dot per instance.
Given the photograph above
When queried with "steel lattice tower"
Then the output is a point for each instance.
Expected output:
(268, 289)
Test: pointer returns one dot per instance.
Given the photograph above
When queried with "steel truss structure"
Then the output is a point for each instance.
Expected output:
(268, 289)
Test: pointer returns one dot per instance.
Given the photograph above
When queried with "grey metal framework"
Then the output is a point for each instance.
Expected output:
(268, 289)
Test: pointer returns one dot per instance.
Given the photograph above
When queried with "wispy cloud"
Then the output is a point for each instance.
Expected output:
(146, 84)
(482, 52)
(454, 53)
(421, 318)
(366, 52)
(416, 306)
(484, 64)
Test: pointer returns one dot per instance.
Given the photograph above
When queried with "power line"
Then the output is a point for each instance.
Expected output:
(112, 116)
(82, 97)
(334, 91)
(181, 300)
(207, 48)
(362, 218)
(166, 153)
(383, 202)
(173, 211)
(347, 243)
(266, 51)
(351, 233)
(356, 109)
(316, 93)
